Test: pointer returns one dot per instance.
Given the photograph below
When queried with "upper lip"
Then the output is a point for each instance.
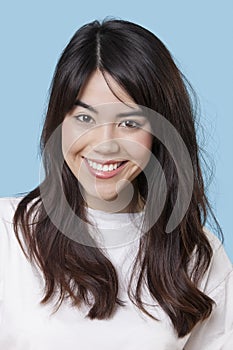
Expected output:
(102, 161)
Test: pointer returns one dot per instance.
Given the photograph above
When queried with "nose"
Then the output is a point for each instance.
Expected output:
(105, 139)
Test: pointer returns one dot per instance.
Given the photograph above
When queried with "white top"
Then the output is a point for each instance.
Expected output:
(27, 325)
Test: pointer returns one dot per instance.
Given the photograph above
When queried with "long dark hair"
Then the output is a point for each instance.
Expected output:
(140, 63)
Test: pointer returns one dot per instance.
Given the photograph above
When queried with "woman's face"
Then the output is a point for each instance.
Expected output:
(105, 142)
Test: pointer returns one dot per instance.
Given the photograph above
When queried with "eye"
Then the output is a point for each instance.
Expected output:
(131, 124)
(84, 118)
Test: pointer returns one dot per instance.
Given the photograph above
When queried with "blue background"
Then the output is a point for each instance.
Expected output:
(198, 33)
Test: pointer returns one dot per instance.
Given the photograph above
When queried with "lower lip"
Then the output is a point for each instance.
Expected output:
(104, 174)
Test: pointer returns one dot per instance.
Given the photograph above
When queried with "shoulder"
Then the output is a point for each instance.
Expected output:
(213, 239)
(10, 250)
(220, 269)
(8, 206)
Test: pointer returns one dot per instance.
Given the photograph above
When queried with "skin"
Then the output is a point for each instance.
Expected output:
(103, 136)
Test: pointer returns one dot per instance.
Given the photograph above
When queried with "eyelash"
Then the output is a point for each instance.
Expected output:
(78, 117)
(136, 125)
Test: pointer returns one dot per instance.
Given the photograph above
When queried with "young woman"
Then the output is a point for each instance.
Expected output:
(111, 250)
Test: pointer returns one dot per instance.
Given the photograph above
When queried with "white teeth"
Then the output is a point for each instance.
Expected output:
(105, 167)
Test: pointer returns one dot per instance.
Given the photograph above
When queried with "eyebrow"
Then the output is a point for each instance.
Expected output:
(83, 104)
(120, 115)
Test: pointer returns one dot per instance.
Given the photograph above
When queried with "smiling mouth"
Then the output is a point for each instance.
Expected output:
(104, 169)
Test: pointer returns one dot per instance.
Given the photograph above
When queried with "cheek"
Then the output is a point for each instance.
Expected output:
(140, 147)
(147, 141)
(71, 139)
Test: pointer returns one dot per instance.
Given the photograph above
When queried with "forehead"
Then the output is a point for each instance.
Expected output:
(99, 89)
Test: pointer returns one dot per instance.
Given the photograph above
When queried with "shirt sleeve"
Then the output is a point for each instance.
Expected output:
(216, 332)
